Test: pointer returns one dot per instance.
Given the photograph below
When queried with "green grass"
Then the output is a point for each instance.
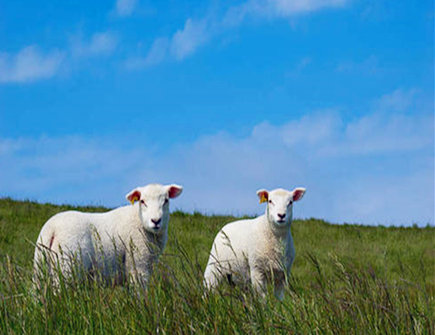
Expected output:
(346, 279)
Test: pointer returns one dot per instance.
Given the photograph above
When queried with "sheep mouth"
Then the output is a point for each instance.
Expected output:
(156, 227)
(280, 221)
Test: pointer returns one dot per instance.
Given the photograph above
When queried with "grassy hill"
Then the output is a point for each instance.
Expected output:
(346, 279)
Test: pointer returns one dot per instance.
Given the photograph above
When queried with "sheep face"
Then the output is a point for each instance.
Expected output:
(154, 205)
(279, 210)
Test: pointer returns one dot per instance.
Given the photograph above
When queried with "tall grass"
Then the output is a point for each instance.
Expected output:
(345, 280)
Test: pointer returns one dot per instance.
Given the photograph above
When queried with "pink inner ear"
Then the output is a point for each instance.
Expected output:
(173, 192)
(134, 196)
(297, 195)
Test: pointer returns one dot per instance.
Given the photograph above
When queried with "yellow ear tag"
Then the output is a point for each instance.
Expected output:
(263, 198)
(134, 199)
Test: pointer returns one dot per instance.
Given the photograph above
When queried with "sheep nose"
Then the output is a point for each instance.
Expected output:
(281, 216)
(156, 221)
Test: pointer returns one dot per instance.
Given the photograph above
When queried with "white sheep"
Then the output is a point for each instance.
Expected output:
(122, 243)
(258, 250)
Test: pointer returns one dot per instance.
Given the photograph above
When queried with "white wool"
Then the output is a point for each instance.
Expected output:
(259, 250)
(124, 242)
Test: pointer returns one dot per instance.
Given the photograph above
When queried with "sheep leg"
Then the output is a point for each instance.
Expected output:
(138, 268)
(279, 291)
(258, 282)
(139, 275)
(279, 279)
(212, 277)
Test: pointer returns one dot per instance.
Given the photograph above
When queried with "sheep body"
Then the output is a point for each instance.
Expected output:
(258, 250)
(121, 243)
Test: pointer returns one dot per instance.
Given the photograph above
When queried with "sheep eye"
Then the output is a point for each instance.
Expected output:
(291, 202)
(270, 202)
(143, 202)
(166, 201)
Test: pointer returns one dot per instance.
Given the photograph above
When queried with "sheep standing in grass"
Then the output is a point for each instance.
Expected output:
(119, 244)
(259, 250)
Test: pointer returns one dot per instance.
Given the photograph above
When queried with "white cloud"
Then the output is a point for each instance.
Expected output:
(377, 134)
(324, 134)
(397, 101)
(276, 9)
(187, 40)
(125, 7)
(100, 43)
(287, 8)
(195, 33)
(62, 169)
(30, 64)
(157, 54)
(373, 169)
(181, 45)
(7, 146)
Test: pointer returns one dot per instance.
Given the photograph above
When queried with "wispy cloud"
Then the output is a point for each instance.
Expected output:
(157, 54)
(60, 169)
(276, 9)
(125, 7)
(304, 62)
(373, 169)
(368, 66)
(99, 44)
(30, 64)
(325, 135)
(397, 101)
(181, 45)
(196, 32)
(187, 40)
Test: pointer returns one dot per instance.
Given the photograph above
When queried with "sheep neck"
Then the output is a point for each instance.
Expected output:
(274, 232)
(140, 236)
(277, 243)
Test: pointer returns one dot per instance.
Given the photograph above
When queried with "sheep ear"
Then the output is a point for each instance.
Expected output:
(263, 195)
(174, 190)
(298, 193)
(133, 196)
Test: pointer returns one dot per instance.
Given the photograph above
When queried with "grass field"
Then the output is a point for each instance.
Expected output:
(346, 279)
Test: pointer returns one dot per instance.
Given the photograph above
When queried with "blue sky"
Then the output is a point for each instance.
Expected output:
(224, 98)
